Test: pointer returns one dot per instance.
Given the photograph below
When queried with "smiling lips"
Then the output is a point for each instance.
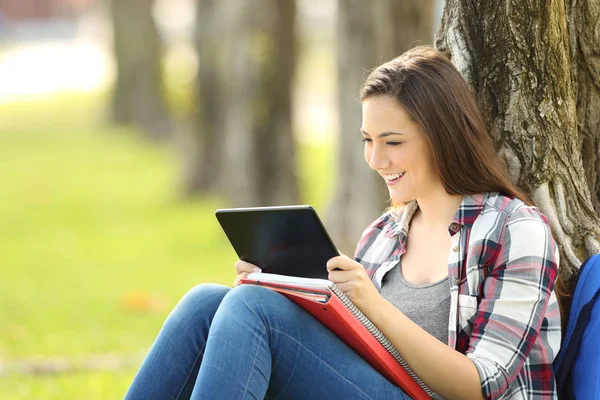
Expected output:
(391, 179)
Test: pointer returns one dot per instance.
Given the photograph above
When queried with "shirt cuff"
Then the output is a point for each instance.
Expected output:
(494, 380)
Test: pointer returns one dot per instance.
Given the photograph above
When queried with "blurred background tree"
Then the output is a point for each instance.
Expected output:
(138, 94)
(245, 145)
(204, 155)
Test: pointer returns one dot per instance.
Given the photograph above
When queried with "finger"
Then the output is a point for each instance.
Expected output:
(344, 287)
(348, 287)
(241, 276)
(339, 277)
(333, 263)
(340, 262)
(244, 266)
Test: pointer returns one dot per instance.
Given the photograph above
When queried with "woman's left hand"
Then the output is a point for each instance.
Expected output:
(353, 280)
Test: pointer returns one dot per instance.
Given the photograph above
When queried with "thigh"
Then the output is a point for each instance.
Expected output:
(308, 360)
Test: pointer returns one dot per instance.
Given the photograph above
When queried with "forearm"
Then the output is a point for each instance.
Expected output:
(446, 371)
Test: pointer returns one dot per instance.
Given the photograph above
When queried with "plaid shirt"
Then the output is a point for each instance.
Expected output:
(502, 267)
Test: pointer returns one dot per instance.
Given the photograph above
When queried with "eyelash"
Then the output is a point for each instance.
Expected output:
(367, 140)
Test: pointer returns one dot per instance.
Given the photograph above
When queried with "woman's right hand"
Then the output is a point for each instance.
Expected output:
(243, 269)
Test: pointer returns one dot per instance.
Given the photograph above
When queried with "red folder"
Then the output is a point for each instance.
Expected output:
(332, 312)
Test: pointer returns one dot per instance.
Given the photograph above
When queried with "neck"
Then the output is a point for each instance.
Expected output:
(438, 208)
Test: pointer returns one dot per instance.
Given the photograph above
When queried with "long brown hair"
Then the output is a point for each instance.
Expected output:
(437, 97)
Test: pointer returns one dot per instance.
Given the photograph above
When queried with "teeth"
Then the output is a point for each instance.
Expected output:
(391, 177)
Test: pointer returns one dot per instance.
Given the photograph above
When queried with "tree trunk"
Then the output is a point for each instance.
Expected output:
(585, 44)
(258, 161)
(369, 33)
(138, 97)
(204, 153)
(516, 55)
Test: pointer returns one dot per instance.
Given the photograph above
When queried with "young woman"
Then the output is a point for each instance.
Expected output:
(458, 274)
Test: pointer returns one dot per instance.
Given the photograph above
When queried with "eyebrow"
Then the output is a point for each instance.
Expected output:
(383, 134)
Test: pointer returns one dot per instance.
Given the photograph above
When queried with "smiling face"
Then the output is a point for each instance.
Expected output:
(396, 147)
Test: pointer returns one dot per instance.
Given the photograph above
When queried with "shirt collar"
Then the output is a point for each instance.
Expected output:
(467, 213)
(402, 217)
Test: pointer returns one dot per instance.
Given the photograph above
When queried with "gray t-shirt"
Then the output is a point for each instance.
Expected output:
(426, 305)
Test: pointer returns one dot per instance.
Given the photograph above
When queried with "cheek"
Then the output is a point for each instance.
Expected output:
(426, 170)
(403, 158)
(429, 164)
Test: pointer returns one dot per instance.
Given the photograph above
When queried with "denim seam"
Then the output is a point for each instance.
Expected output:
(257, 347)
(190, 373)
(288, 381)
(324, 362)
(250, 375)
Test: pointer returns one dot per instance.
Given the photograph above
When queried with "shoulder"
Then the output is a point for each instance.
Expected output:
(520, 229)
(509, 223)
(510, 210)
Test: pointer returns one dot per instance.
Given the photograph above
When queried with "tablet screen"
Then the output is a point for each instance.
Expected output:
(289, 240)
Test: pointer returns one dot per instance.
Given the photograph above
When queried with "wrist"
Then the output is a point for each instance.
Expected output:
(373, 306)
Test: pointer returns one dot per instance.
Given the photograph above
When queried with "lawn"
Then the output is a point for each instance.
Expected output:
(96, 245)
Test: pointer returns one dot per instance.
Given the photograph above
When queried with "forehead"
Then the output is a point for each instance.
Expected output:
(384, 113)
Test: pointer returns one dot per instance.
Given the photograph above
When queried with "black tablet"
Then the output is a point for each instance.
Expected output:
(286, 240)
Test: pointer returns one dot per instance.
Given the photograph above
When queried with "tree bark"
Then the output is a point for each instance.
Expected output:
(258, 161)
(516, 55)
(585, 44)
(369, 33)
(138, 96)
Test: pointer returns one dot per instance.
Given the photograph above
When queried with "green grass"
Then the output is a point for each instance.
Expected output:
(96, 246)
(80, 385)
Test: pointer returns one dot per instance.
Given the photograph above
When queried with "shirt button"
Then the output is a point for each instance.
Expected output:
(454, 226)
(455, 249)
(457, 282)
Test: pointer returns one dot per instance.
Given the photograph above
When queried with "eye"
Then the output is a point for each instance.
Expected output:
(394, 143)
(366, 140)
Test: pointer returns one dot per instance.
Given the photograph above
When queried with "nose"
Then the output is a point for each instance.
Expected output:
(376, 158)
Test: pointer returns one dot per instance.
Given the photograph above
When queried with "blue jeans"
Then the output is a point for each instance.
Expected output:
(251, 343)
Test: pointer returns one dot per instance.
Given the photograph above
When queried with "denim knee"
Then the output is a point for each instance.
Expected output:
(251, 293)
(259, 300)
(201, 301)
